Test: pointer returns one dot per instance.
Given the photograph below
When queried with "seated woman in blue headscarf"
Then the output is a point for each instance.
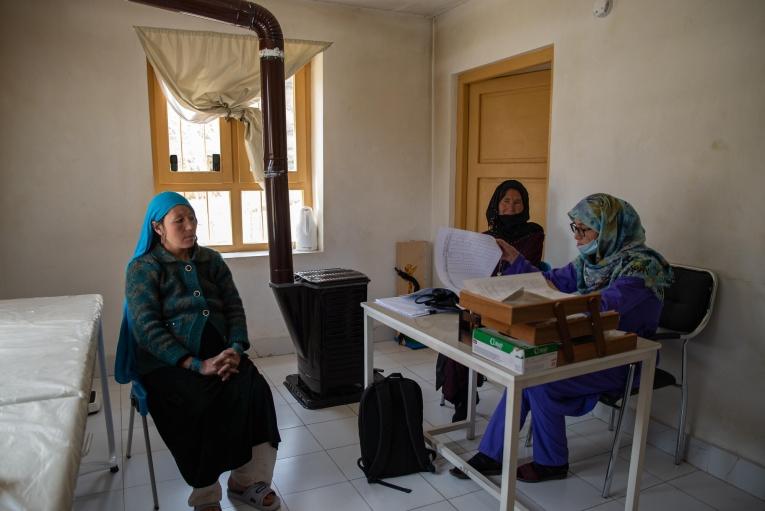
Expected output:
(614, 260)
(184, 338)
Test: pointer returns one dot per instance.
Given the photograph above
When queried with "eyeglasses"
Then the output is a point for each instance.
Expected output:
(581, 231)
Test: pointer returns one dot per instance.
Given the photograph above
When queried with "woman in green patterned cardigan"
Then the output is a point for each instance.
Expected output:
(185, 329)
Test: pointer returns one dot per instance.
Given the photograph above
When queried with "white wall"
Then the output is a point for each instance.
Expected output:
(76, 172)
(660, 103)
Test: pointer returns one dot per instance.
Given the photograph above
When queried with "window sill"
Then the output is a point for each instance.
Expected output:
(262, 253)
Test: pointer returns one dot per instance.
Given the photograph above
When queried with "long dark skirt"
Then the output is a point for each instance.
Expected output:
(209, 425)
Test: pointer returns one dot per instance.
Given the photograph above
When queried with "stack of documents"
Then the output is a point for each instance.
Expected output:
(429, 303)
(406, 305)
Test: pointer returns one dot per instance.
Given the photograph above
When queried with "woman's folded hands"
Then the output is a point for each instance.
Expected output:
(224, 364)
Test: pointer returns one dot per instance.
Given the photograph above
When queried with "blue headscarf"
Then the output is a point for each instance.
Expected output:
(621, 250)
(124, 366)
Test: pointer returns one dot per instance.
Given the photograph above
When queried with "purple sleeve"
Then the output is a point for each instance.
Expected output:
(624, 294)
(563, 278)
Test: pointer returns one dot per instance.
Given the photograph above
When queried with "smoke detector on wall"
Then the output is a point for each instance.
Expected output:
(601, 8)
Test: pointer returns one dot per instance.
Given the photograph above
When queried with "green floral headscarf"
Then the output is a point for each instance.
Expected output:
(621, 247)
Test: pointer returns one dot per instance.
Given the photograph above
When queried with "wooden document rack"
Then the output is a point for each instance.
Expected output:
(576, 322)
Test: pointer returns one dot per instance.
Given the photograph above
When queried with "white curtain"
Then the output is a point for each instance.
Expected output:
(206, 75)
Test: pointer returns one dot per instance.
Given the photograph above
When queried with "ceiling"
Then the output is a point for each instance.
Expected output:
(428, 8)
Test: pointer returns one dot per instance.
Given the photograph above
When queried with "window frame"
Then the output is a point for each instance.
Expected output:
(234, 175)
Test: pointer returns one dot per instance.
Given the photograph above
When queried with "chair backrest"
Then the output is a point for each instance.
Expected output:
(689, 300)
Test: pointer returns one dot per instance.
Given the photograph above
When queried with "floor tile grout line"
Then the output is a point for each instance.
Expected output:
(690, 495)
(347, 481)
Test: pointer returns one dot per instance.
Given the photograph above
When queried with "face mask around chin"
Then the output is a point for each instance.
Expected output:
(589, 249)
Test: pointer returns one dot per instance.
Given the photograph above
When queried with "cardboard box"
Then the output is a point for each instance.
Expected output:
(512, 353)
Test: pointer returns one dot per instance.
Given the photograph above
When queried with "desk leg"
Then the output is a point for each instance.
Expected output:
(106, 400)
(642, 417)
(369, 350)
(472, 392)
(510, 451)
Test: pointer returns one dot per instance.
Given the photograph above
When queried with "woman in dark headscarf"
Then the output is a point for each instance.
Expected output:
(508, 218)
(631, 278)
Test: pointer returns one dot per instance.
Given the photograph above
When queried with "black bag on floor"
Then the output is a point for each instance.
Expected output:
(390, 431)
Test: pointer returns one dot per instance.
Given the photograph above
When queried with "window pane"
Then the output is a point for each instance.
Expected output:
(254, 220)
(193, 147)
(213, 210)
(254, 217)
(296, 203)
(289, 100)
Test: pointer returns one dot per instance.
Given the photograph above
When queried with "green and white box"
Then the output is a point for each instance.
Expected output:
(512, 353)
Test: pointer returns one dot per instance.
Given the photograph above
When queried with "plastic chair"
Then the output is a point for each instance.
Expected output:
(139, 401)
(687, 308)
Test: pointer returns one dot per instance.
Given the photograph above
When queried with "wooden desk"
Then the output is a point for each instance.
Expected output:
(48, 349)
(439, 332)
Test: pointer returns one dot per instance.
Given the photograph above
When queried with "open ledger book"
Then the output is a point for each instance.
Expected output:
(510, 287)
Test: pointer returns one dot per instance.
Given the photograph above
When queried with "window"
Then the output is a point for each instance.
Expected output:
(207, 163)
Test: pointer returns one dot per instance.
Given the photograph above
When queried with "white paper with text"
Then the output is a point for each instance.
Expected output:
(461, 255)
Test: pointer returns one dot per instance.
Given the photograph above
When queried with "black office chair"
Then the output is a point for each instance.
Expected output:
(688, 304)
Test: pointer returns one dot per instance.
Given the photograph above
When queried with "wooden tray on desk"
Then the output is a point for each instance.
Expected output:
(616, 342)
(544, 332)
(528, 308)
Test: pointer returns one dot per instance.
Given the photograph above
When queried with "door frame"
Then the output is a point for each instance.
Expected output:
(541, 58)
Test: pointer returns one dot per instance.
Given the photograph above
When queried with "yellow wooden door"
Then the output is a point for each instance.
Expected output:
(508, 132)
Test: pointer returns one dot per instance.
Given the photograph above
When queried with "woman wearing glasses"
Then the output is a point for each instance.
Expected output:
(631, 277)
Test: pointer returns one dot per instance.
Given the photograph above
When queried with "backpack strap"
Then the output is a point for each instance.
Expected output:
(384, 441)
(424, 455)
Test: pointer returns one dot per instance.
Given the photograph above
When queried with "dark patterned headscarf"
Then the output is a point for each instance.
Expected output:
(621, 250)
(510, 227)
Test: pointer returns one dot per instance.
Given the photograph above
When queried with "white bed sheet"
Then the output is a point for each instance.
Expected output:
(47, 347)
(47, 354)
(40, 442)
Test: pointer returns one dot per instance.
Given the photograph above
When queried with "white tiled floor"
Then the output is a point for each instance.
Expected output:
(316, 464)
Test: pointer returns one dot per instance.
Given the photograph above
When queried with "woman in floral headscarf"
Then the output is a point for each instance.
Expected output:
(631, 277)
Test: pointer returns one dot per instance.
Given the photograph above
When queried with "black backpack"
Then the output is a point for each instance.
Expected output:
(390, 431)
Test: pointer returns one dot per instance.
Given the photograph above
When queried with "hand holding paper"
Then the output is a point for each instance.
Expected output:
(461, 255)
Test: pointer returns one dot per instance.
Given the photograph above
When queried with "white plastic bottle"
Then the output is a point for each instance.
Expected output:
(307, 236)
